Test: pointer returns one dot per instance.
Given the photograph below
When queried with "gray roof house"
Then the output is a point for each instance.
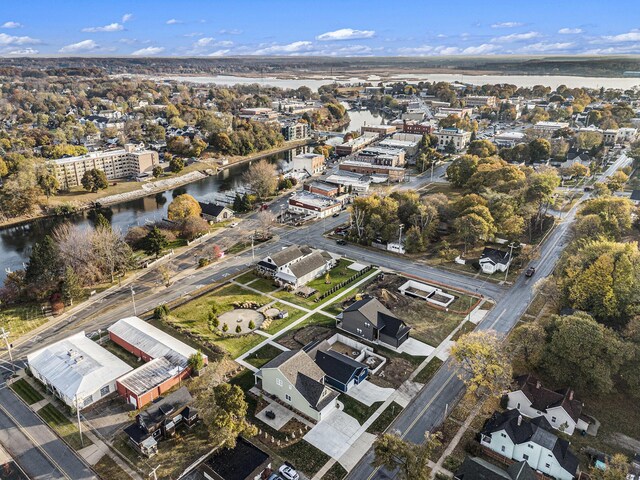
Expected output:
(371, 320)
(296, 265)
(215, 213)
(514, 437)
(295, 379)
(474, 468)
(493, 260)
(341, 371)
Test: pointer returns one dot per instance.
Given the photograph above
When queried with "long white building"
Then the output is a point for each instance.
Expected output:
(126, 162)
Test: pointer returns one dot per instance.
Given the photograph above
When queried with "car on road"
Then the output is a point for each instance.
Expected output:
(341, 241)
(288, 472)
(530, 271)
(234, 225)
(337, 214)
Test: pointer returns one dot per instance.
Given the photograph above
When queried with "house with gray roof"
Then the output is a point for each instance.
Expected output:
(493, 260)
(371, 320)
(341, 371)
(296, 380)
(475, 468)
(295, 265)
(510, 435)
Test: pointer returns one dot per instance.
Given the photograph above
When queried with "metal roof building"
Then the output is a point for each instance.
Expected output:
(77, 369)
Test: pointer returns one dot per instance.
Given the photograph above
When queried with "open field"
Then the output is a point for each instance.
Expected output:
(107, 468)
(278, 324)
(263, 355)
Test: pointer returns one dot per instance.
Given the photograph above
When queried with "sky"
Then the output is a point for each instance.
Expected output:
(327, 27)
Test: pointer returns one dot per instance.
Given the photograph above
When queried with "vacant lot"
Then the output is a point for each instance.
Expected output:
(315, 327)
(263, 355)
(278, 324)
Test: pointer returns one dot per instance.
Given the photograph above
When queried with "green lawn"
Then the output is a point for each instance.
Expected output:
(63, 426)
(279, 324)
(356, 409)
(336, 472)
(305, 457)
(238, 247)
(466, 328)
(193, 316)
(315, 319)
(246, 277)
(108, 468)
(380, 424)
(26, 391)
(263, 355)
(21, 319)
(429, 325)
(245, 380)
(264, 285)
(428, 371)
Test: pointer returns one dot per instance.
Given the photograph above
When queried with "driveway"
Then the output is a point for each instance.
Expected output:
(416, 348)
(335, 434)
(369, 393)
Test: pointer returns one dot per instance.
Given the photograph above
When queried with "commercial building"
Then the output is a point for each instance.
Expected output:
(481, 101)
(380, 130)
(127, 162)
(167, 360)
(322, 188)
(355, 144)
(394, 174)
(312, 163)
(352, 182)
(550, 127)
(77, 370)
(508, 139)
(295, 130)
(459, 138)
(381, 155)
(419, 128)
(462, 112)
(314, 205)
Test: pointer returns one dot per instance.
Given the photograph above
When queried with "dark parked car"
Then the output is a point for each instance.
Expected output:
(530, 271)
(341, 242)
(337, 214)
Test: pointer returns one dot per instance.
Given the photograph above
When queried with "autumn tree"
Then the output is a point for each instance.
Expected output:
(409, 459)
(461, 170)
(614, 213)
(262, 178)
(176, 164)
(539, 149)
(482, 148)
(617, 180)
(588, 140)
(48, 182)
(183, 207)
(486, 369)
(94, 180)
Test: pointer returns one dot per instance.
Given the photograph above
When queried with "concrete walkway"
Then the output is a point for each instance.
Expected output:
(369, 393)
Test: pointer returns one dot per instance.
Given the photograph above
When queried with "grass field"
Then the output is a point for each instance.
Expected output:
(306, 457)
(26, 391)
(128, 358)
(63, 426)
(356, 409)
(21, 319)
(380, 424)
(263, 355)
(336, 472)
(278, 324)
(428, 371)
(429, 325)
(108, 468)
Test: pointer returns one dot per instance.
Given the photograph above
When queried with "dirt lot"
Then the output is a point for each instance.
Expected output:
(297, 339)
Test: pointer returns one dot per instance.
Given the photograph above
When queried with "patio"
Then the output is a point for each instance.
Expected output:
(369, 393)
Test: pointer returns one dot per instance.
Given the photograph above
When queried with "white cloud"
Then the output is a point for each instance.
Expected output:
(194, 34)
(173, 21)
(14, 40)
(632, 36)
(421, 50)
(11, 25)
(127, 17)
(615, 50)
(23, 51)
(148, 51)
(294, 47)
(506, 25)
(233, 31)
(516, 37)
(546, 47)
(112, 27)
(483, 49)
(219, 53)
(203, 42)
(80, 47)
(345, 34)
(569, 31)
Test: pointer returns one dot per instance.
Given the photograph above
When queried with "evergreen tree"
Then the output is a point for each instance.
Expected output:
(71, 287)
(43, 268)
(102, 222)
(154, 242)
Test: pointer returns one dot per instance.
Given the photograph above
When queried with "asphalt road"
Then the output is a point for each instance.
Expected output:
(40, 453)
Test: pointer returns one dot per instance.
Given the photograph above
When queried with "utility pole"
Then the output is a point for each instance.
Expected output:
(511, 247)
(133, 299)
(400, 236)
(5, 336)
(253, 255)
(79, 423)
(432, 164)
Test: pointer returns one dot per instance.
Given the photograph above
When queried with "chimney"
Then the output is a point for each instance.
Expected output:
(519, 420)
(538, 384)
(570, 395)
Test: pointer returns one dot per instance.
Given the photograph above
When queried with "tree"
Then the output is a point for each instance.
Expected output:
(409, 459)
(261, 178)
(238, 329)
(266, 218)
(588, 140)
(176, 164)
(196, 361)
(157, 171)
(193, 227)
(4, 169)
(482, 148)
(101, 221)
(113, 254)
(71, 286)
(617, 181)
(154, 242)
(183, 207)
(461, 170)
(471, 228)
(224, 412)
(43, 267)
(413, 240)
(48, 182)
(614, 213)
(450, 147)
(486, 369)
(528, 343)
(617, 468)
(94, 180)
(539, 149)
(252, 324)
(225, 327)
(584, 353)
(161, 312)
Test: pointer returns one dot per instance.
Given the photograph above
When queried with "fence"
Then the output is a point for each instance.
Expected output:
(344, 283)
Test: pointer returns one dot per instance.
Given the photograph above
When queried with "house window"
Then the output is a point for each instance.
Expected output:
(553, 419)
(288, 397)
(525, 456)
(503, 448)
(366, 324)
(547, 465)
(503, 435)
(279, 382)
(530, 446)
(518, 407)
(104, 391)
(359, 330)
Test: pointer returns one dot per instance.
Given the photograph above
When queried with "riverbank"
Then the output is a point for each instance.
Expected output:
(267, 153)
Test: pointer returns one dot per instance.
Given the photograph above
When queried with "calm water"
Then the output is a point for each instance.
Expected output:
(16, 242)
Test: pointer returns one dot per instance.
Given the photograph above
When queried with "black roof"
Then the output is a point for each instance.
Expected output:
(173, 402)
(537, 430)
(136, 432)
(338, 366)
(474, 468)
(379, 316)
(211, 209)
(495, 255)
(237, 463)
(635, 195)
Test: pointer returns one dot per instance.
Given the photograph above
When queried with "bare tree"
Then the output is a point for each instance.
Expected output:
(357, 217)
(262, 178)
(75, 245)
(111, 250)
(266, 219)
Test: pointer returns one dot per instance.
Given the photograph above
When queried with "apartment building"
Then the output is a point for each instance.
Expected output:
(481, 101)
(460, 138)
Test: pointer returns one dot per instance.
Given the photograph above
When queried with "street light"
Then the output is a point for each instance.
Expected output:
(133, 299)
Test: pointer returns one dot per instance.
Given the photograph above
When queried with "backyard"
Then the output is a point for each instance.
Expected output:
(263, 355)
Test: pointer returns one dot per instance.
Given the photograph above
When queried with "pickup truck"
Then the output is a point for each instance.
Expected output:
(529, 272)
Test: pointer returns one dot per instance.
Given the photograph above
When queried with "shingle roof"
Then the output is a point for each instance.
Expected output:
(543, 398)
(169, 404)
(211, 209)
(237, 463)
(289, 254)
(338, 366)
(529, 431)
(494, 255)
(474, 468)
(380, 317)
(77, 366)
(308, 264)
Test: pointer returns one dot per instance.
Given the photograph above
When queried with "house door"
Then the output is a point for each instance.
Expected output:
(133, 401)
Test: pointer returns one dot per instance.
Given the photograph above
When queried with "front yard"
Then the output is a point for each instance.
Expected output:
(63, 427)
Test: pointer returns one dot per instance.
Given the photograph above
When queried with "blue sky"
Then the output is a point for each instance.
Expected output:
(327, 27)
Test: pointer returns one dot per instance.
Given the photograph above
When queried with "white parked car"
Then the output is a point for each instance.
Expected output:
(288, 473)
(234, 224)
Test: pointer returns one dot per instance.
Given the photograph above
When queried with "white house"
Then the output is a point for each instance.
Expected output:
(296, 380)
(493, 260)
(296, 265)
(514, 437)
(77, 370)
(560, 408)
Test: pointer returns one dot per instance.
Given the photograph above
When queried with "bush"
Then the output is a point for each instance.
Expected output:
(203, 262)
(196, 361)
(252, 325)
(452, 463)
(161, 312)
(238, 329)
(225, 327)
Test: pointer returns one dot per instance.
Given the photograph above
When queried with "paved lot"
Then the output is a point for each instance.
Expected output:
(369, 393)
(335, 434)
(283, 415)
(416, 348)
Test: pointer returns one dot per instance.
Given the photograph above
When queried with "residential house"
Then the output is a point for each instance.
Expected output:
(77, 370)
(371, 320)
(635, 196)
(245, 461)
(161, 421)
(493, 260)
(215, 213)
(341, 372)
(295, 379)
(475, 468)
(559, 407)
(513, 437)
(297, 274)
